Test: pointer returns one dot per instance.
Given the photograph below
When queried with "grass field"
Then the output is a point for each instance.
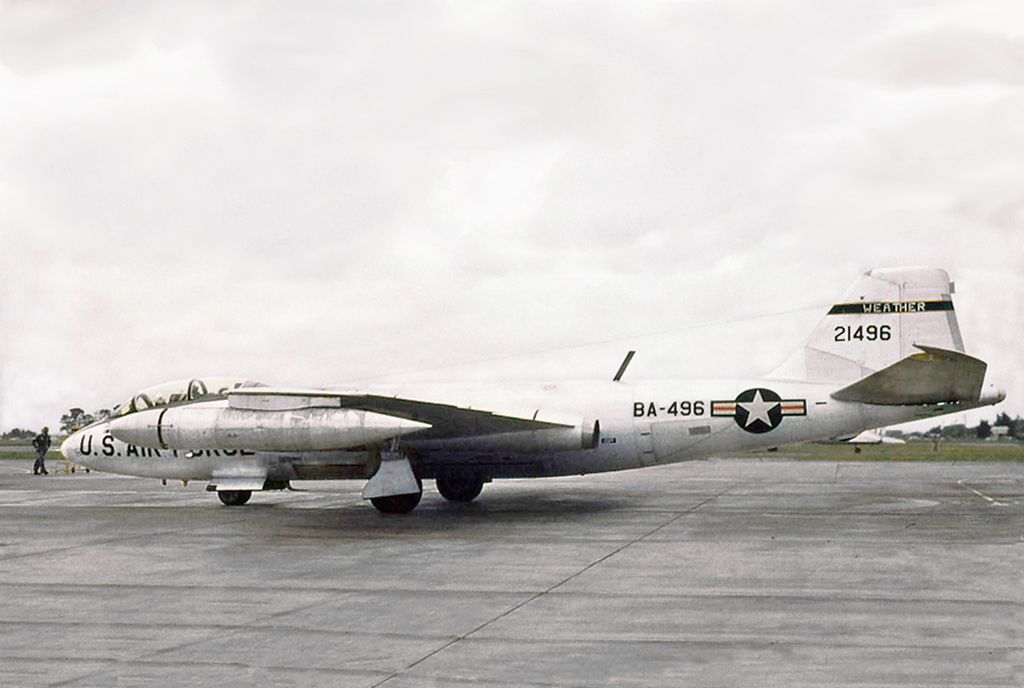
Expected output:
(27, 455)
(911, 451)
(22, 449)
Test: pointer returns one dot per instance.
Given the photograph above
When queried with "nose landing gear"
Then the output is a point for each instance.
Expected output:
(397, 504)
(234, 497)
(394, 488)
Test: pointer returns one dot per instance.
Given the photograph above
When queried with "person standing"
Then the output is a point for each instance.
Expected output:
(41, 442)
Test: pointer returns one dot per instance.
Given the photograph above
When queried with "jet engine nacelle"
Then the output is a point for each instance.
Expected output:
(581, 434)
(215, 425)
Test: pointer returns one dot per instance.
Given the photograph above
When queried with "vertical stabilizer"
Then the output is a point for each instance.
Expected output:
(877, 323)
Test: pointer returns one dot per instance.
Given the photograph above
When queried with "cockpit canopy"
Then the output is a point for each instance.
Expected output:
(181, 390)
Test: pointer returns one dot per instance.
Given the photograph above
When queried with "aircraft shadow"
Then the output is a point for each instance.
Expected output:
(435, 515)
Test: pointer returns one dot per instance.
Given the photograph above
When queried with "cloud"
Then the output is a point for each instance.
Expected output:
(948, 57)
(320, 193)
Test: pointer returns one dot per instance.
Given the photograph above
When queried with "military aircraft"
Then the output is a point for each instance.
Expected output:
(874, 437)
(889, 351)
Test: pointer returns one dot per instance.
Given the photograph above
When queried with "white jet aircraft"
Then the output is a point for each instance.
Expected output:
(874, 437)
(889, 351)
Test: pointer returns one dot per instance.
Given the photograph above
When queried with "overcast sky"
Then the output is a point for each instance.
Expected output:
(336, 192)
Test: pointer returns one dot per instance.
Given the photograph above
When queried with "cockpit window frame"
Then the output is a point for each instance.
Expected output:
(181, 391)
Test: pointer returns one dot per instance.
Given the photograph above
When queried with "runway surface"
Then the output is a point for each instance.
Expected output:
(720, 573)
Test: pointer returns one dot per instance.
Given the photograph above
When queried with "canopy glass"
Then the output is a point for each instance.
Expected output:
(176, 391)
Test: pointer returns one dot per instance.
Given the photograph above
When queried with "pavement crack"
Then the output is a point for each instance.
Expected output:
(536, 596)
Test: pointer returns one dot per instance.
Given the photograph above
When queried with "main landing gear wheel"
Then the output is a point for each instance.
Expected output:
(234, 497)
(459, 489)
(397, 504)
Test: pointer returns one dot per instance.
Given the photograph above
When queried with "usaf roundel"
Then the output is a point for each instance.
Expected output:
(759, 409)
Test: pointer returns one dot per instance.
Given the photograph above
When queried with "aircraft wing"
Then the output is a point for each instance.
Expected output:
(269, 419)
(445, 420)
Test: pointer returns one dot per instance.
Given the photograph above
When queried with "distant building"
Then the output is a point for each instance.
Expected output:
(999, 432)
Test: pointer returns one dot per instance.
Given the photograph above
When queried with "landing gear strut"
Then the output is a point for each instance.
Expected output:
(459, 488)
(394, 488)
(234, 497)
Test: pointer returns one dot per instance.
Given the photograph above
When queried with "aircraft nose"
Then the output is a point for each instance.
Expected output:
(67, 446)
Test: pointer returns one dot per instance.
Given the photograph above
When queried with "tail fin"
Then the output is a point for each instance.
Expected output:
(878, 322)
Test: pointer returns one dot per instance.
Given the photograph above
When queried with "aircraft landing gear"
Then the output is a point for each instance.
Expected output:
(234, 497)
(459, 488)
(397, 504)
(394, 488)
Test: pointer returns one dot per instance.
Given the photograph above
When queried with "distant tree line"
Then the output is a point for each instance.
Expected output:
(983, 430)
(74, 419)
(18, 434)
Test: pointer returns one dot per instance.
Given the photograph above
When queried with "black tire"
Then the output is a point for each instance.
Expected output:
(459, 488)
(234, 497)
(397, 504)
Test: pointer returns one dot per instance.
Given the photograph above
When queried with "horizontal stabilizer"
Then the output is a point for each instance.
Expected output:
(932, 377)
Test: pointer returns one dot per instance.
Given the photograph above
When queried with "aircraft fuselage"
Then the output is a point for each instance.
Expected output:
(642, 424)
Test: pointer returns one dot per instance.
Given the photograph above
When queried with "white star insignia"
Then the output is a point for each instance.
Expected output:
(758, 409)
